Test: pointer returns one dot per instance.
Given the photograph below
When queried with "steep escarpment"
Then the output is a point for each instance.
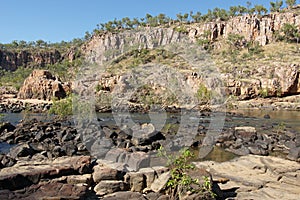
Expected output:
(267, 70)
(246, 75)
(11, 60)
(251, 27)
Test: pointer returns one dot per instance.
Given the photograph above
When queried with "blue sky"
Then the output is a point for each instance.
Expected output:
(57, 20)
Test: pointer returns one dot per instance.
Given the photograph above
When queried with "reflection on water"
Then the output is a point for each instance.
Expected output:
(4, 147)
(217, 154)
(289, 118)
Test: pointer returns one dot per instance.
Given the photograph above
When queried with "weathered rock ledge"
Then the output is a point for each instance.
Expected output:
(256, 177)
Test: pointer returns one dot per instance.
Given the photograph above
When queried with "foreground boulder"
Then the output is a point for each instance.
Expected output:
(41, 84)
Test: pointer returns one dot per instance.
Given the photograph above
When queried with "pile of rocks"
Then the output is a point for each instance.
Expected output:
(46, 160)
(17, 106)
(246, 140)
(49, 139)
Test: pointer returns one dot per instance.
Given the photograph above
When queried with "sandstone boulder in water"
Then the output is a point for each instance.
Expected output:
(41, 84)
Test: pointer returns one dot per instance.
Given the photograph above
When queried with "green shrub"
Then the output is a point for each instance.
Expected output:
(180, 182)
(203, 94)
(264, 92)
(99, 87)
(288, 33)
(181, 29)
(254, 48)
(235, 41)
(1, 117)
(62, 108)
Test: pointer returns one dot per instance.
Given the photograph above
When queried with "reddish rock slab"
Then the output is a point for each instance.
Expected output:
(26, 173)
(47, 191)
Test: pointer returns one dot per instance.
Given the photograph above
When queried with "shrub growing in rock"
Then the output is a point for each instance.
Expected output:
(203, 94)
(181, 183)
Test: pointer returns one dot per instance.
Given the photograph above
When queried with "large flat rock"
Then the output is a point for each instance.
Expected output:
(257, 177)
(26, 173)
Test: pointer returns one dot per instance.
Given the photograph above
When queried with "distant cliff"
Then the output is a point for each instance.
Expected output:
(266, 79)
(11, 60)
(251, 27)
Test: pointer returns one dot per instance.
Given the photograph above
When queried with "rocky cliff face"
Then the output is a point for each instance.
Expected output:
(263, 81)
(10, 60)
(283, 81)
(252, 27)
(107, 46)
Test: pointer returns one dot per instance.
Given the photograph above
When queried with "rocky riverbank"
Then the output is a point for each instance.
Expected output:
(52, 159)
(48, 159)
(15, 105)
(290, 103)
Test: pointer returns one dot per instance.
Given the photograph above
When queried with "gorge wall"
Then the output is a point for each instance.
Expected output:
(11, 60)
(251, 27)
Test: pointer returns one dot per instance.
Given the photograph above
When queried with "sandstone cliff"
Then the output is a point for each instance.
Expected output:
(10, 60)
(251, 27)
(262, 80)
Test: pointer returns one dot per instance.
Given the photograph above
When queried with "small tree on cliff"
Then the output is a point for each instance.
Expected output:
(233, 11)
(276, 6)
(291, 32)
(290, 3)
(196, 17)
(260, 9)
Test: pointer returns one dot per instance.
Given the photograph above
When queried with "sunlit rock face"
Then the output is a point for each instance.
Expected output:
(41, 84)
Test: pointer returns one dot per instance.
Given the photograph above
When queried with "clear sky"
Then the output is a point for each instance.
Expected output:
(57, 20)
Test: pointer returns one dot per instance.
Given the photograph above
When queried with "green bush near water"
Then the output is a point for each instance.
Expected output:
(63, 108)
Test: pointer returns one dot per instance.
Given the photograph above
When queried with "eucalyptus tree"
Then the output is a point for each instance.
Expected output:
(290, 3)
(196, 17)
(276, 6)
(260, 9)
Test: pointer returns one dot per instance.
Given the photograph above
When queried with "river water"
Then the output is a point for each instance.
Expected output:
(250, 117)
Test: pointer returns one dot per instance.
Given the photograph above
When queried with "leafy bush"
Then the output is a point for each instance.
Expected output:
(205, 40)
(62, 108)
(264, 92)
(65, 70)
(287, 33)
(254, 48)
(181, 29)
(1, 117)
(180, 182)
(203, 94)
(235, 41)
